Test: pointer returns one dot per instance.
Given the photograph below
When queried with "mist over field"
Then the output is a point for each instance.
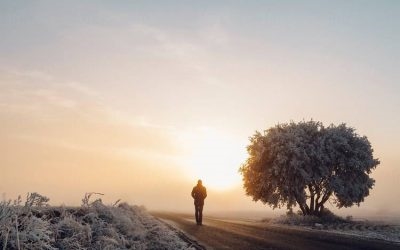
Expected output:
(138, 100)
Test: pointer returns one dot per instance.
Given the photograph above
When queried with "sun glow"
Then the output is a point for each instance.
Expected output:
(215, 158)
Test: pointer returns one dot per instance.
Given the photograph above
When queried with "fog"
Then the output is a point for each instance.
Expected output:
(115, 97)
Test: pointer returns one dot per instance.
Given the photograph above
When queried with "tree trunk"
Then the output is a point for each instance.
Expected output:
(301, 205)
(316, 207)
(302, 209)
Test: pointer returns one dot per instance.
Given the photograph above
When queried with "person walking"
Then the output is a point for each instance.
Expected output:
(199, 193)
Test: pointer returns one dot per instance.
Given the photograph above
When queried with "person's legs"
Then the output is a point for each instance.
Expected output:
(200, 208)
(196, 213)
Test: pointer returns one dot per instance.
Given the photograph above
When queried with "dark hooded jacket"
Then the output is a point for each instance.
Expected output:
(199, 193)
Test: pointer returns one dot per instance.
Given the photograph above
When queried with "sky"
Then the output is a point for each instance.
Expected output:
(139, 99)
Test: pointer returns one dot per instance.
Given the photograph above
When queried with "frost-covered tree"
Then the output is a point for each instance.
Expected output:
(308, 164)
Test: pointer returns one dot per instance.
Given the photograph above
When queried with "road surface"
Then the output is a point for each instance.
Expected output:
(223, 234)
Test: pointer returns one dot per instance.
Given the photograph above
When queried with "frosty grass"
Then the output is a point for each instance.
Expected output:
(36, 225)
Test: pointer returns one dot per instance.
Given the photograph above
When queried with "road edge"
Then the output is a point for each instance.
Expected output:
(192, 242)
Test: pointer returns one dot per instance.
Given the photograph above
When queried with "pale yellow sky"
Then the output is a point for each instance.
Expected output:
(138, 101)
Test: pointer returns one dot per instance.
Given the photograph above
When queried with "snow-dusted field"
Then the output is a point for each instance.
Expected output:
(365, 229)
(34, 225)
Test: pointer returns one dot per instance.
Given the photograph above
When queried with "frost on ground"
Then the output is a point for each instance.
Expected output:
(334, 224)
(35, 225)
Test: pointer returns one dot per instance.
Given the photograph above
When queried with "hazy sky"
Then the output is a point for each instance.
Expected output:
(139, 99)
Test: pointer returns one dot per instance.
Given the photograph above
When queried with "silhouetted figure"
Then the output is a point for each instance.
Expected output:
(199, 193)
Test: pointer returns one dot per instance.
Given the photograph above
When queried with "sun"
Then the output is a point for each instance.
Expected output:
(215, 158)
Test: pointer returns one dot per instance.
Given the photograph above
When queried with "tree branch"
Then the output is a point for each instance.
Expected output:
(312, 194)
(325, 197)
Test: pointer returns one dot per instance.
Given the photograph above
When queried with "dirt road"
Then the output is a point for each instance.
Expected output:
(222, 234)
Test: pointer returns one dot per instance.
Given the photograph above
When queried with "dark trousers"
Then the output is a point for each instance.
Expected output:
(198, 212)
